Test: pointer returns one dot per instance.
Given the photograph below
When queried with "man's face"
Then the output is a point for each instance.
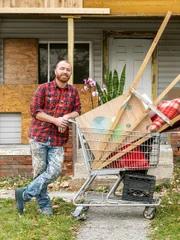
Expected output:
(63, 72)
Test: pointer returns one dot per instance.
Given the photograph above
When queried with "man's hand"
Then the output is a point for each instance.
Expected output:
(61, 122)
(62, 129)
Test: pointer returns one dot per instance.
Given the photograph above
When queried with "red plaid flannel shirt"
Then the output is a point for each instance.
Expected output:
(56, 102)
(170, 109)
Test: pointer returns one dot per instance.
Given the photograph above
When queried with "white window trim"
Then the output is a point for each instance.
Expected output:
(91, 72)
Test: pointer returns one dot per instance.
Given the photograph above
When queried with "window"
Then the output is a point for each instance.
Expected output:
(10, 128)
(50, 53)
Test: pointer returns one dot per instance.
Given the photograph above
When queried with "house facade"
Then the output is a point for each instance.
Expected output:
(93, 36)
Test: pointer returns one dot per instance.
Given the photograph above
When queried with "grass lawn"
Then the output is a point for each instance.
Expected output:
(166, 225)
(32, 225)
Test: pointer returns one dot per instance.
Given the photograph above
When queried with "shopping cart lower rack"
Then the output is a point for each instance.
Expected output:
(126, 156)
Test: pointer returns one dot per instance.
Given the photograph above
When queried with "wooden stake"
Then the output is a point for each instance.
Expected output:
(149, 53)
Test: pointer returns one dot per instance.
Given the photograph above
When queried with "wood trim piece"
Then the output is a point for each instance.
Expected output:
(154, 74)
(84, 11)
(153, 46)
(71, 46)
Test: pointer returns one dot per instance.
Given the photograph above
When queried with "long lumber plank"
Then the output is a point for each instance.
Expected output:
(165, 126)
(138, 76)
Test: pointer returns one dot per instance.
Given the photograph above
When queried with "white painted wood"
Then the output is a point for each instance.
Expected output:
(132, 53)
(55, 11)
(10, 128)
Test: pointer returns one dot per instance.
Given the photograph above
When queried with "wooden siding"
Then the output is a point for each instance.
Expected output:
(136, 7)
(92, 30)
(41, 3)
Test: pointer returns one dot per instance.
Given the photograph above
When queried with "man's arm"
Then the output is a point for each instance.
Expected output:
(59, 122)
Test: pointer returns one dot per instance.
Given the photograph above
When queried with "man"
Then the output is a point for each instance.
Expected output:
(53, 104)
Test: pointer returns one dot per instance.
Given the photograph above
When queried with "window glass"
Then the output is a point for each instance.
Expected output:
(58, 51)
(43, 63)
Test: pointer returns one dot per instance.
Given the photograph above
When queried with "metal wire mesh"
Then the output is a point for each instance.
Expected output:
(127, 150)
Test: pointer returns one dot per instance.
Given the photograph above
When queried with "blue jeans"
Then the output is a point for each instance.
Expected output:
(47, 163)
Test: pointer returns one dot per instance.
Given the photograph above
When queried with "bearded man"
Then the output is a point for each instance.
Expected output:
(53, 104)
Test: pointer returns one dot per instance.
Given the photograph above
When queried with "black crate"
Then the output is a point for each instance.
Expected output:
(138, 187)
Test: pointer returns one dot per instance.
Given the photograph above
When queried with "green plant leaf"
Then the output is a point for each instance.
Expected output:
(100, 93)
(122, 82)
(109, 84)
(115, 83)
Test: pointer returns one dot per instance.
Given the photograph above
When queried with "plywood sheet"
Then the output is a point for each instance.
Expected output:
(103, 116)
(20, 61)
(134, 118)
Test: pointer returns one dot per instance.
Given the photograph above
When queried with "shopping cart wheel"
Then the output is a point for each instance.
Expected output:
(149, 212)
(77, 213)
(85, 208)
(81, 217)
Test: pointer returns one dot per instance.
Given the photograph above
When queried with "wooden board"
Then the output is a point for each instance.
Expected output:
(41, 3)
(20, 61)
(103, 116)
(54, 10)
(102, 164)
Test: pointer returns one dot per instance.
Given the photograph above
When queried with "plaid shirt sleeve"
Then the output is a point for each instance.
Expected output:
(37, 101)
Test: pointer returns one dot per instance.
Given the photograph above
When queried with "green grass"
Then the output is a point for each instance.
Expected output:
(166, 225)
(32, 225)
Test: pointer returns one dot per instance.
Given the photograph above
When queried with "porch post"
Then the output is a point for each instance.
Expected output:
(71, 46)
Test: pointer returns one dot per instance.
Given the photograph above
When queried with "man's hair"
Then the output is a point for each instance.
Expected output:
(66, 61)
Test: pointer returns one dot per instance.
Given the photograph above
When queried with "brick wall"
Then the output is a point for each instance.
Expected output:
(14, 166)
(21, 165)
(174, 140)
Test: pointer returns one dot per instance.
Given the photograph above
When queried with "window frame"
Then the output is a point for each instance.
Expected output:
(91, 72)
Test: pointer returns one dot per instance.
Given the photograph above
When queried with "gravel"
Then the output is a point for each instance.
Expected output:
(115, 223)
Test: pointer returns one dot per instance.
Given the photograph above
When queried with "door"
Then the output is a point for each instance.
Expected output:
(132, 53)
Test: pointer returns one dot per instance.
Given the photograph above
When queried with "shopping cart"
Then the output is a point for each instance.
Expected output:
(126, 156)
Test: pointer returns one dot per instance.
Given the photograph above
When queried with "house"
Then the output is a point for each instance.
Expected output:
(93, 35)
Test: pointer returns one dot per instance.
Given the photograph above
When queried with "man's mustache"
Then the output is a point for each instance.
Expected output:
(65, 75)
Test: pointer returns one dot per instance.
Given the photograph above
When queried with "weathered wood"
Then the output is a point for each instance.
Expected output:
(20, 61)
(41, 3)
(84, 11)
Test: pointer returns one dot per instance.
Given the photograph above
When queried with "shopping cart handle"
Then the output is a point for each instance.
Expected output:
(72, 120)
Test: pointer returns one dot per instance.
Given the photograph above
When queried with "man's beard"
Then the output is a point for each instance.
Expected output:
(63, 78)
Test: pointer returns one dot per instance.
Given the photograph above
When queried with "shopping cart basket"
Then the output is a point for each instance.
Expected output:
(125, 155)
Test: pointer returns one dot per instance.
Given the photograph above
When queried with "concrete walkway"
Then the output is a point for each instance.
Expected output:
(106, 223)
